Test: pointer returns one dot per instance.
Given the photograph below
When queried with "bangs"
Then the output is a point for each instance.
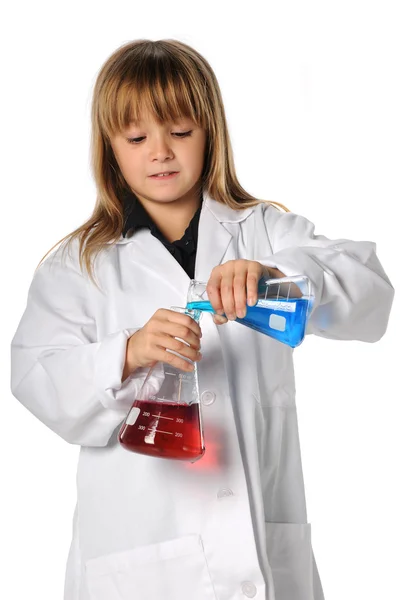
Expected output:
(159, 86)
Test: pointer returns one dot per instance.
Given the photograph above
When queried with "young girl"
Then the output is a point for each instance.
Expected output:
(98, 317)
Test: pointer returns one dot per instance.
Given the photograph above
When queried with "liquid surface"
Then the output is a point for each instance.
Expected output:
(283, 319)
(165, 429)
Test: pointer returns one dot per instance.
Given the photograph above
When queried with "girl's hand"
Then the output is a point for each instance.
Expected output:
(233, 284)
(149, 345)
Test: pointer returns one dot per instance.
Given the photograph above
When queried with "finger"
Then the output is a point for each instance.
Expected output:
(183, 332)
(172, 359)
(158, 353)
(185, 320)
(167, 342)
(253, 276)
(178, 361)
(239, 292)
(213, 291)
(219, 319)
(228, 300)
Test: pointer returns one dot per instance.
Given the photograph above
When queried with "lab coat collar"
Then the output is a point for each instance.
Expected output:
(222, 212)
(213, 240)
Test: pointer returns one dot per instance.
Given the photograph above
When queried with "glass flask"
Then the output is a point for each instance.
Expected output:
(281, 312)
(165, 419)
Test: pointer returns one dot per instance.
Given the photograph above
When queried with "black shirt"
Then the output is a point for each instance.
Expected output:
(183, 250)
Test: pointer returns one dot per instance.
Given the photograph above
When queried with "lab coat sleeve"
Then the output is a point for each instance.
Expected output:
(60, 371)
(353, 294)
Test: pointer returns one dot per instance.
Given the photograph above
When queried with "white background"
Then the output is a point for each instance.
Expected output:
(312, 96)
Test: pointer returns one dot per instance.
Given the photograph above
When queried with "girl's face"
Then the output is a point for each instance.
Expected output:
(147, 148)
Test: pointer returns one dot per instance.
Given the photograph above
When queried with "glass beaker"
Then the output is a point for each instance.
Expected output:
(282, 309)
(165, 419)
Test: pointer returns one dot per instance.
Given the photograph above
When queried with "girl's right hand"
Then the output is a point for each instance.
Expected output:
(149, 345)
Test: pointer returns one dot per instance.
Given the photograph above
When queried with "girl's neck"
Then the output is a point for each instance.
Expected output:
(173, 218)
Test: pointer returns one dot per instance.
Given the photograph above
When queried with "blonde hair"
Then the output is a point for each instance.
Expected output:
(168, 79)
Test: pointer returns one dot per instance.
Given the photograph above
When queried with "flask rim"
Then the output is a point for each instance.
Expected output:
(187, 311)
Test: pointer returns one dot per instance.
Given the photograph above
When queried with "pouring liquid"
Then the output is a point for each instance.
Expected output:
(283, 318)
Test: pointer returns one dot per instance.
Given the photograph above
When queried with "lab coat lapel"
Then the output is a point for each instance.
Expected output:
(213, 241)
(152, 256)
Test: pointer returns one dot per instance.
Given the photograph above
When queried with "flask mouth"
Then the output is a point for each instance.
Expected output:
(186, 311)
(183, 310)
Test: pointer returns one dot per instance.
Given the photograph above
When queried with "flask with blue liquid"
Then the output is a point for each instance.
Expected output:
(282, 309)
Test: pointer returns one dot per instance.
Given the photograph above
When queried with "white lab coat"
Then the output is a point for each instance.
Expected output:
(233, 525)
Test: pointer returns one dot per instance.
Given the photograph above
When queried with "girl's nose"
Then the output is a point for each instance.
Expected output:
(161, 149)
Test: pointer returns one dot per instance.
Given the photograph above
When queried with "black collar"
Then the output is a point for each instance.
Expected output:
(136, 217)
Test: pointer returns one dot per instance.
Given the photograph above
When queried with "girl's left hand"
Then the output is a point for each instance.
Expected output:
(233, 284)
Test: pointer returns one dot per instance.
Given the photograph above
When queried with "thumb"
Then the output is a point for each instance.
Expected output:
(219, 319)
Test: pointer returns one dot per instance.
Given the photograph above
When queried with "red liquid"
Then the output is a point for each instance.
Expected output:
(166, 430)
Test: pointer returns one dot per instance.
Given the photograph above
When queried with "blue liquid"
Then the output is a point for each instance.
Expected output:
(283, 319)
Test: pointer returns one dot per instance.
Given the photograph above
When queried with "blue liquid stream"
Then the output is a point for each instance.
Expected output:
(289, 314)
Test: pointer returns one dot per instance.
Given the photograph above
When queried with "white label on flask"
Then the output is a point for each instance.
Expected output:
(277, 322)
(277, 305)
(133, 415)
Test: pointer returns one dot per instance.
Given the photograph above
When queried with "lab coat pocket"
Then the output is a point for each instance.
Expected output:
(172, 570)
(290, 556)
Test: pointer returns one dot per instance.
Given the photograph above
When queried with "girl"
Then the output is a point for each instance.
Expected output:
(233, 524)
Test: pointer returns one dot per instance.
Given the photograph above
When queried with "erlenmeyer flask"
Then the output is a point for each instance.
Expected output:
(165, 419)
(282, 309)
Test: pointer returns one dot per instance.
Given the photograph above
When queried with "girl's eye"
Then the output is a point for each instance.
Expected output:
(139, 139)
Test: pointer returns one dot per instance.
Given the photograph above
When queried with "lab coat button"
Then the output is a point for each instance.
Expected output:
(223, 492)
(207, 397)
(249, 589)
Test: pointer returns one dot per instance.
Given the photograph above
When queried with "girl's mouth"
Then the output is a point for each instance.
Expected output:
(165, 177)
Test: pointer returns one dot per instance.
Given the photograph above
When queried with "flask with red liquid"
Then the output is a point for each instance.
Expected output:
(165, 418)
